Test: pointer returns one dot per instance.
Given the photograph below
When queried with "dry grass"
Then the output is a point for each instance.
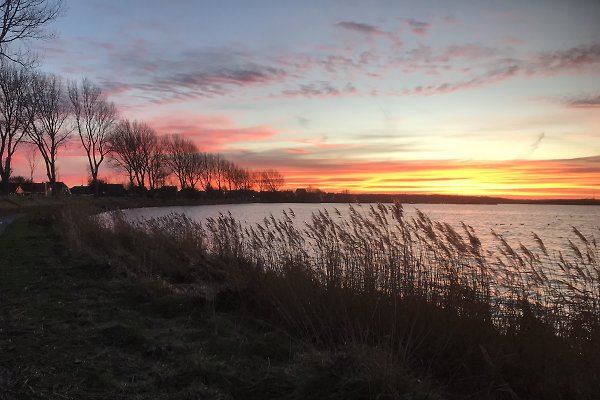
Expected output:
(507, 322)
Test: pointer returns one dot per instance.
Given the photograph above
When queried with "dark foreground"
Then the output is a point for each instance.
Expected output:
(392, 309)
(72, 328)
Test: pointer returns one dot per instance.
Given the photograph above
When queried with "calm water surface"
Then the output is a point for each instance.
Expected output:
(515, 222)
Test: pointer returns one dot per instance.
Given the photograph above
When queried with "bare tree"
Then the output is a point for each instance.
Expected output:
(132, 147)
(32, 156)
(48, 111)
(228, 173)
(94, 118)
(156, 166)
(14, 81)
(269, 180)
(23, 20)
(181, 156)
(206, 170)
(244, 179)
(237, 178)
(219, 167)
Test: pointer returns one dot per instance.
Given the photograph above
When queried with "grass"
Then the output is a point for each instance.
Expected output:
(96, 324)
(509, 322)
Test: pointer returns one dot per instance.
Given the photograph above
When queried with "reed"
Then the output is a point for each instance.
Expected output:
(502, 322)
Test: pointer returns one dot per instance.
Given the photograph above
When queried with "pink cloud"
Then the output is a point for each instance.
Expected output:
(211, 133)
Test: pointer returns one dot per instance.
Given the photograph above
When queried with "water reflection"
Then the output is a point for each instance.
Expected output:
(514, 222)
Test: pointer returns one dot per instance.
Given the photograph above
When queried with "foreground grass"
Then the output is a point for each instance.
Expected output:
(411, 294)
(73, 327)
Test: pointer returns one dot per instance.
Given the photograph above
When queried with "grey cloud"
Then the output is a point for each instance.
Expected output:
(417, 27)
(592, 101)
(360, 27)
(320, 89)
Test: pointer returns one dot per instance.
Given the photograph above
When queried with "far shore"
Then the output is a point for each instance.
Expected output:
(13, 204)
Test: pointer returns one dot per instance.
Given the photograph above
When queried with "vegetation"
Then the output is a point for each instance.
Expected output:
(24, 20)
(76, 326)
(511, 322)
(40, 109)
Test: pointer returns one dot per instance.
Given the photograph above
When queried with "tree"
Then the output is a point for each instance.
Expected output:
(182, 158)
(218, 168)
(23, 20)
(47, 113)
(206, 169)
(132, 146)
(32, 157)
(14, 81)
(94, 118)
(269, 180)
(156, 167)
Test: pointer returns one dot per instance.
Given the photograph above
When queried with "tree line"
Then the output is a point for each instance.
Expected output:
(42, 110)
(149, 160)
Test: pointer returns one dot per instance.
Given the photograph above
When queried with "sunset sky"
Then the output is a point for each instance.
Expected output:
(466, 97)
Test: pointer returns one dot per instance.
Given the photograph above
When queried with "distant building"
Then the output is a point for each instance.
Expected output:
(57, 188)
(104, 189)
(113, 190)
(28, 188)
(82, 190)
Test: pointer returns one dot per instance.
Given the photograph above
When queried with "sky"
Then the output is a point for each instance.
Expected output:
(498, 98)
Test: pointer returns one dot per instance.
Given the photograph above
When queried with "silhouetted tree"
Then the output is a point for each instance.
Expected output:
(14, 81)
(95, 117)
(23, 20)
(133, 146)
(205, 170)
(156, 166)
(219, 166)
(18, 179)
(32, 157)
(47, 113)
(269, 180)
(182, 158)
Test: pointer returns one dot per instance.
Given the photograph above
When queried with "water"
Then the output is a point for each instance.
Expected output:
(515, 222)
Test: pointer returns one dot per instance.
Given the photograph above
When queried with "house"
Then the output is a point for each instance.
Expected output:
(58, 188)
(30, 188)
(113, 190)
(104, 189)
(82, 190)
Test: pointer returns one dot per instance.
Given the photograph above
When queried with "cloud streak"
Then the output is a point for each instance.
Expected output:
(585, 102)
(320, 89)
(548, 63)
(361, 28)
(417, 27)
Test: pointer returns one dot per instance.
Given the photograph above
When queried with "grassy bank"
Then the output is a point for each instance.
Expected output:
(516, 323)
(33, 204)
(375, 306)
(74, 325)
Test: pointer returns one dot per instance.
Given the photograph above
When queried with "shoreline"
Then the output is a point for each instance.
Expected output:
(10, 204)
